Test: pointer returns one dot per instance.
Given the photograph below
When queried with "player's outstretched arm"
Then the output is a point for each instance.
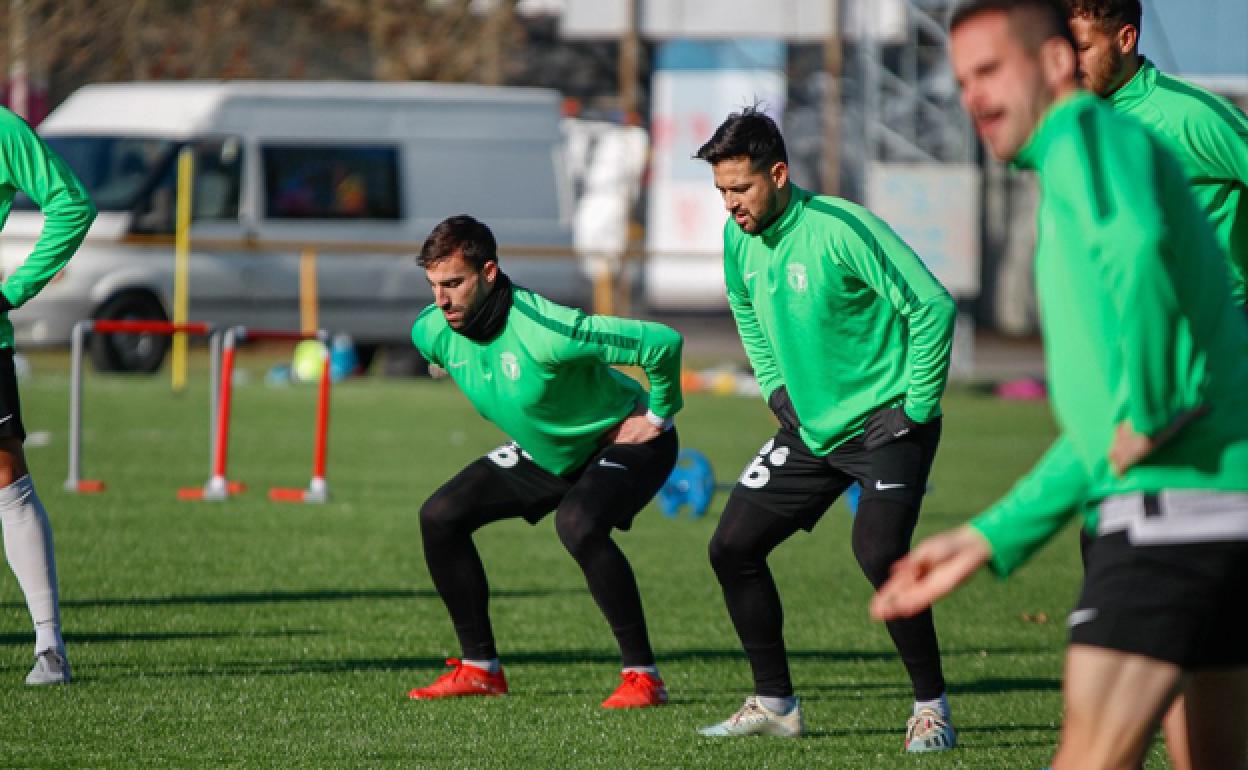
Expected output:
(931, 571)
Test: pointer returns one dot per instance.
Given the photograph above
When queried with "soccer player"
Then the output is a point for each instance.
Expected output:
(1149, 383)
(27, 165)
(1207, 133)
(589, 444)
(849, 336)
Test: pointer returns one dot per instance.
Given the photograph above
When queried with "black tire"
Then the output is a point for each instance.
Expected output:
(142, 353)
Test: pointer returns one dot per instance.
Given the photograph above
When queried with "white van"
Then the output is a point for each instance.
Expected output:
(361, 172)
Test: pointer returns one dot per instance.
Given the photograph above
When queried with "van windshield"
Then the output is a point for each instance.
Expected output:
(115, 170)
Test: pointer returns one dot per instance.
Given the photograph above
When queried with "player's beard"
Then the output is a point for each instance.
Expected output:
(771, 211)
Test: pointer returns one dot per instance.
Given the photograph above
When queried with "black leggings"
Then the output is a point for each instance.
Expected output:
(746, 535)
(588, 505)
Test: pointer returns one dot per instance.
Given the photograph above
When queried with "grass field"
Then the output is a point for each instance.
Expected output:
(254, 634)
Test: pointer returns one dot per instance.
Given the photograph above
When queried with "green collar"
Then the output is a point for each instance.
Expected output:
(1137, 89)
(789, 218)
(1032, 153)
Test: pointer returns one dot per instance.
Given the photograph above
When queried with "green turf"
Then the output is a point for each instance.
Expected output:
(254, 634)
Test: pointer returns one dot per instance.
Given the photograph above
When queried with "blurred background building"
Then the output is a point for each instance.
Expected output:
(862, 89)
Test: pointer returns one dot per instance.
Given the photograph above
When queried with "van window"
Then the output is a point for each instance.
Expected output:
(114, 169)
(218, 165)
(330, 182)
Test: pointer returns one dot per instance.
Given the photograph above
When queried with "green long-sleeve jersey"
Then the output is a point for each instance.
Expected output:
(27, 165)
(1139, 326)
(1209, 135)
(546, 379)
(833, 305)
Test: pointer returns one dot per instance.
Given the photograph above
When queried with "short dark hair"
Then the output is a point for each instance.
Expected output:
(462, 234)
(1108, 14)
(1033, 22)
(749, 133)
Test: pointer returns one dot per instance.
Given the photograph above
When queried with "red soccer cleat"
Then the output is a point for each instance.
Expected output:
(637, 690)
(461, 680)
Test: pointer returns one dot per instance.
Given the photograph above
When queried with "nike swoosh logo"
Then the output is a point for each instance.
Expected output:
(5, 419)
(748, 276)
(457, 364)
(604, 462)
(880, 485)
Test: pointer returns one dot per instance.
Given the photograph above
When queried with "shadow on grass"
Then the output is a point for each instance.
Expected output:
(278, 597)
(586, 657)
(104, 637)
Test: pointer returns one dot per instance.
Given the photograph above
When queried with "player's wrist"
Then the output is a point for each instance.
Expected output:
(662, 423)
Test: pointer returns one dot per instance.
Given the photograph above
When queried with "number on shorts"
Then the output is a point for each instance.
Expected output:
(757, 474)
(508, 455)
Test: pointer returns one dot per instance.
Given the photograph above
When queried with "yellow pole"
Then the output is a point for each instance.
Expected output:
(308, 321)
(182, 255)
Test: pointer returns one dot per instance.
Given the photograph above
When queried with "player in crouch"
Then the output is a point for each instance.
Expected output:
(1149, 382)
(849, 336)
(589, 443)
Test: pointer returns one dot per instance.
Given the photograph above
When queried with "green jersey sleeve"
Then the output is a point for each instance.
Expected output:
(1113, 184)
(882, 260)
(1224, 143)
(424, 336)
(757, 348)
(1036, 508)
(653, 347)
(28, 165)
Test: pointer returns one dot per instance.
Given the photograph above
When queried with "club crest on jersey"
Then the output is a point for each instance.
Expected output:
(797, 277)
(511, 366)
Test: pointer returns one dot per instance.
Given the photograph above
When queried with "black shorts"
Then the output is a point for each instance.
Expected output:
(1182, 603)
(620, 479)
(10, 405)
(788, 479)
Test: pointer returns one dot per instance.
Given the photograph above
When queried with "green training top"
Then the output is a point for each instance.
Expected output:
(1210, 137)
(545, 379)
(1138, 322)
(832, 304)
(27, 165)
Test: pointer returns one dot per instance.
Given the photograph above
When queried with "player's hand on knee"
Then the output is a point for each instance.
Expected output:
(887, 425)
(931, 571)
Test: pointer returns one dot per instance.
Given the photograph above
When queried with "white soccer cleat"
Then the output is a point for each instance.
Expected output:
(756, 719)
(51, 667)
(929, 730)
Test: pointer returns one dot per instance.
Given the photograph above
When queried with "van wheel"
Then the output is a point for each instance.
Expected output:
(129, 352)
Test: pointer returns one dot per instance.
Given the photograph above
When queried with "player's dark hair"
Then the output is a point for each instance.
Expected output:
(1109, 15)
(461, 234)
(749, 133)
(1033, 22)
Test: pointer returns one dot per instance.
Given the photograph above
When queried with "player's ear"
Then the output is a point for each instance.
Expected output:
(779, 173)
(489, 271)
(1127, 39)
(1059, 63)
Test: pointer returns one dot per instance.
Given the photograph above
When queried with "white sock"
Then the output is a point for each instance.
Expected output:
(490, 666)
(651, 670)
(28, 547)
(940, 705)
(779, 706)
